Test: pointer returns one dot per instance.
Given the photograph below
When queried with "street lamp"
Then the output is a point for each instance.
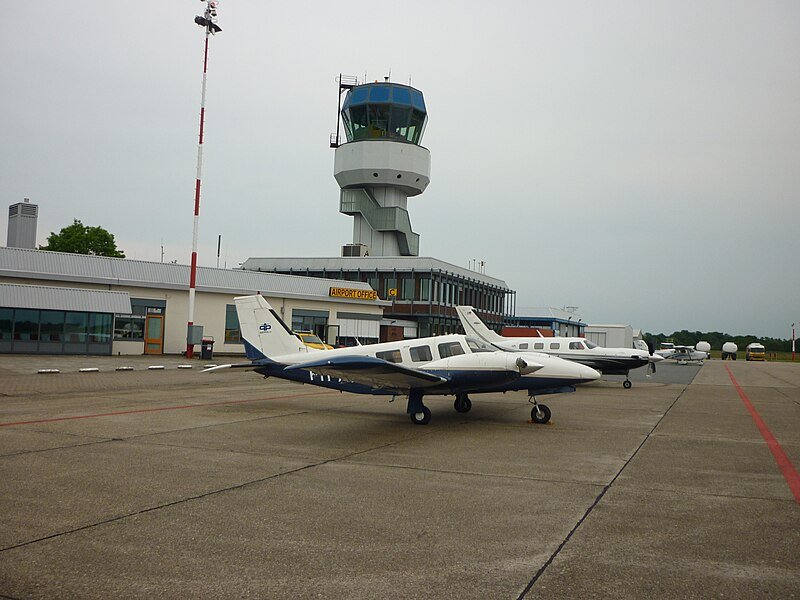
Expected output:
(207, 22)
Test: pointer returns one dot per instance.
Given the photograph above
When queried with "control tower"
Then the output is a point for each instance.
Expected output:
(381, 165)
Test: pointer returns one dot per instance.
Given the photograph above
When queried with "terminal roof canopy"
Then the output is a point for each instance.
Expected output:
(384, 111)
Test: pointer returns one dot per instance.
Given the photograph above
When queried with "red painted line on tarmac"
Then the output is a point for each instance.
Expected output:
(785, 465)
(147, 410)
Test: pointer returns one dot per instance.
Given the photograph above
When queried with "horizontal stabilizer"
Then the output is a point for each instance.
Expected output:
(371, 371)
(249, 365)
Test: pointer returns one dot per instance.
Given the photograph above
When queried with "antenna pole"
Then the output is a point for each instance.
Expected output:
(339, 110)
(207, 22)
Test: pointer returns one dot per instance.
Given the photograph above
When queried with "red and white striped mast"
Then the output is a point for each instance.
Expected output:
(207, 22)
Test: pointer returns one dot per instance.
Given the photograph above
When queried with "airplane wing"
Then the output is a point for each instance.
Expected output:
(371, 371)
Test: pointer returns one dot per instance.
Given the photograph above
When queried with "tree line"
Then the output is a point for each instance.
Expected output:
(716, 339)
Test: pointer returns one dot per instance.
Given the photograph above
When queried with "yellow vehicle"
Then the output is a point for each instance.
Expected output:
(755, 351)
(312, 341)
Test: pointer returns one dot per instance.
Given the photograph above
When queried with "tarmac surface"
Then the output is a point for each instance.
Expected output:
(172, 483)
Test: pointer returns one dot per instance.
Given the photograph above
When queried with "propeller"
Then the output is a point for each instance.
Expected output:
(654, 358)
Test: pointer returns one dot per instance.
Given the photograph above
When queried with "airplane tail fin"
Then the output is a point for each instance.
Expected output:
(475, 327)
(264, 333)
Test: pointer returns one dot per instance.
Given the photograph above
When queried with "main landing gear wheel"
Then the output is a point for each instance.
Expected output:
(421, 418)
(627, 384)
(540, 413)
(462, 404)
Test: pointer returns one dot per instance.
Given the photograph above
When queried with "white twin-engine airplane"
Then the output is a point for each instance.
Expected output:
(611, 361)
(444, 365)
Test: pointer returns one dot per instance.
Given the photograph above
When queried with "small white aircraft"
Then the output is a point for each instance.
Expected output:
(611, 361)
(445, 365)
(683, 354)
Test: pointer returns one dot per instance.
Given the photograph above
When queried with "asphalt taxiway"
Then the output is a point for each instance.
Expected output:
(174, 483)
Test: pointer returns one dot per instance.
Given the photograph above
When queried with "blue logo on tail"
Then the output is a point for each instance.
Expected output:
(265, 327)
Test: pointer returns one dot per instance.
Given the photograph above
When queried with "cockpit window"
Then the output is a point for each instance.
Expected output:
(479, 345)
(589, 345)
(450, 349)
(576, 346)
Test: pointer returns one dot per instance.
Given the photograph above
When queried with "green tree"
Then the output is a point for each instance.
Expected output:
(80, 239)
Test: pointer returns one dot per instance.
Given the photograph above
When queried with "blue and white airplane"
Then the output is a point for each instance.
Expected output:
(445, 365)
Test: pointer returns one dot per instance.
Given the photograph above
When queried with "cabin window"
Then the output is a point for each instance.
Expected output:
(576, 346)
(538, 346)
(450, 349)
(392, 356)
(421, 354)
(555, 345)
(523, 346)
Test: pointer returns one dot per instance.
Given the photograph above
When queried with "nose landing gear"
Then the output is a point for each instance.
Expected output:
(540, 413)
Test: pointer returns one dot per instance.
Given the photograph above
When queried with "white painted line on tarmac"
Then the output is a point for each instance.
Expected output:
(155, 367)
(89, 370)
(47, 371)
(124, 369)
(184, 366)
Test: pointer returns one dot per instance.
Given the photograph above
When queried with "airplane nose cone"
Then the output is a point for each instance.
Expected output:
(587, 373)
(654, 358)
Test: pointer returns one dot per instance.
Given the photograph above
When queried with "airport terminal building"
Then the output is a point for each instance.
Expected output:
(57, 303)
(421, 292)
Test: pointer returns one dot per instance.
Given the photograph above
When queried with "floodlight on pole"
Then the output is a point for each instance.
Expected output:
(207, 22)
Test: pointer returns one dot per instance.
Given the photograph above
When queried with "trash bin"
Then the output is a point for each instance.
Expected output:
(207, 349)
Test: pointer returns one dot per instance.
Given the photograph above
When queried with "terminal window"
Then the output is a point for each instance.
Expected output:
(129, 328)
(233, 333)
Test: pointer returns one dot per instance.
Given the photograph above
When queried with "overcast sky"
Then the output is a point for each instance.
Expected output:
(639, 160)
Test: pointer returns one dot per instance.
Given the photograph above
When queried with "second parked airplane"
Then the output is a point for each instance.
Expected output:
(611, 361)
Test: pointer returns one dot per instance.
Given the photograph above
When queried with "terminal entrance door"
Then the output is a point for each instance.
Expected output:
(154, 334)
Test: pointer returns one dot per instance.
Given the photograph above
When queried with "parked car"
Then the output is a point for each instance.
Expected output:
(312, 340)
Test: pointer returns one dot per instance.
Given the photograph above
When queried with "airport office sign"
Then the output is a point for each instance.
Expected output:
(339, 292)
